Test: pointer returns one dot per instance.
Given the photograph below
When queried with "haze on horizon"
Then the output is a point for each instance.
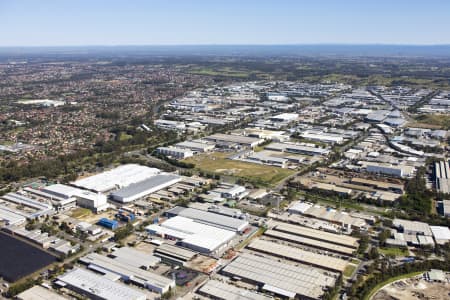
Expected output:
(203, 22)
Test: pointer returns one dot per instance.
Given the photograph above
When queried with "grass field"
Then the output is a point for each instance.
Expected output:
(219, 163)
(349, 269)
(80, 212)
(432, 121)
(394, 251)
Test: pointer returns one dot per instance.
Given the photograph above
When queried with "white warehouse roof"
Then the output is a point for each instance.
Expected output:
(211, 219)
(193, 234)
(119, 177)
(99, 286)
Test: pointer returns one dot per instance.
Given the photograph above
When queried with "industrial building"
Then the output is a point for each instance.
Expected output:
(97, 287)
(195, 235)
(211, 219)
(83, 198)
(196, 146)
(299, 255)
(441, 234)
(58, 202)
(297, 149)
(44, 240)
(323, 137)
(243, 141)
(38, 208)
(285, 117)
(173, 254)
(338, 239)
(9, 217)
(412, 227)
(144, 188)
(388, 169)
(263, 158)
(170, 125)
(121, 269)
(283, 279)
(223, 291)
(442, 175)
(310, 242)
(116, 178)
(135, 258)
(110, 224)
(175, 152)
(38, 292)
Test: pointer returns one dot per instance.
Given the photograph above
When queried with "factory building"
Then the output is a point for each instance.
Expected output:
(38, 208)
(38, 292)
(223, 291)
(173, 254)
(243, 141)
(323, 137)
(144, 188)
(9, 217)
(175, 152)
(299, 255)
(135, 258)
(285, 117)
(128, 272)
(116, 178)
(195, 235)
(283, 279)
(442, 175)
(297, 149)
(196, 146)
(107, 223)
(315, 234)
(211, 219)
(170, 125)
(83, 198)
(388, 169)
(97, 287)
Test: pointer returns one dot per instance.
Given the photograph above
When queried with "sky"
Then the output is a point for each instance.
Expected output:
(212, 22)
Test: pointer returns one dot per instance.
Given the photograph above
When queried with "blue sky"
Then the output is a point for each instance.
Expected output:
(181, 22)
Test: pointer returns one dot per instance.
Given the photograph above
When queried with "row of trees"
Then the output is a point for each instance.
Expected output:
(361, 289)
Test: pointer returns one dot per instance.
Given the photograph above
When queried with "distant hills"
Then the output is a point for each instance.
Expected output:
(239, 50)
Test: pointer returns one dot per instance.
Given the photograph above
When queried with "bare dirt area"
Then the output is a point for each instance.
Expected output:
(414, 288)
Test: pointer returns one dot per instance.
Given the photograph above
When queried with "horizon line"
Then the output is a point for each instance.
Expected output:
(225, 44)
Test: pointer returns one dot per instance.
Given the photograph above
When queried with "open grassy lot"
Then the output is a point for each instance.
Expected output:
(394, 251)
(349, 269)
(218, 162)
(432, 121)
(79, 213)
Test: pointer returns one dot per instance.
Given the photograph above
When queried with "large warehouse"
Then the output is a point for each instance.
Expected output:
(212, 219)
(121, 269)
(144, 188)
(280, 278)
(338, 239)
(97, 287)
(244, 141)
(309, 242)
(119, 177)
(83, 198)
(198, 236)
(224, 291)
(299, 255)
